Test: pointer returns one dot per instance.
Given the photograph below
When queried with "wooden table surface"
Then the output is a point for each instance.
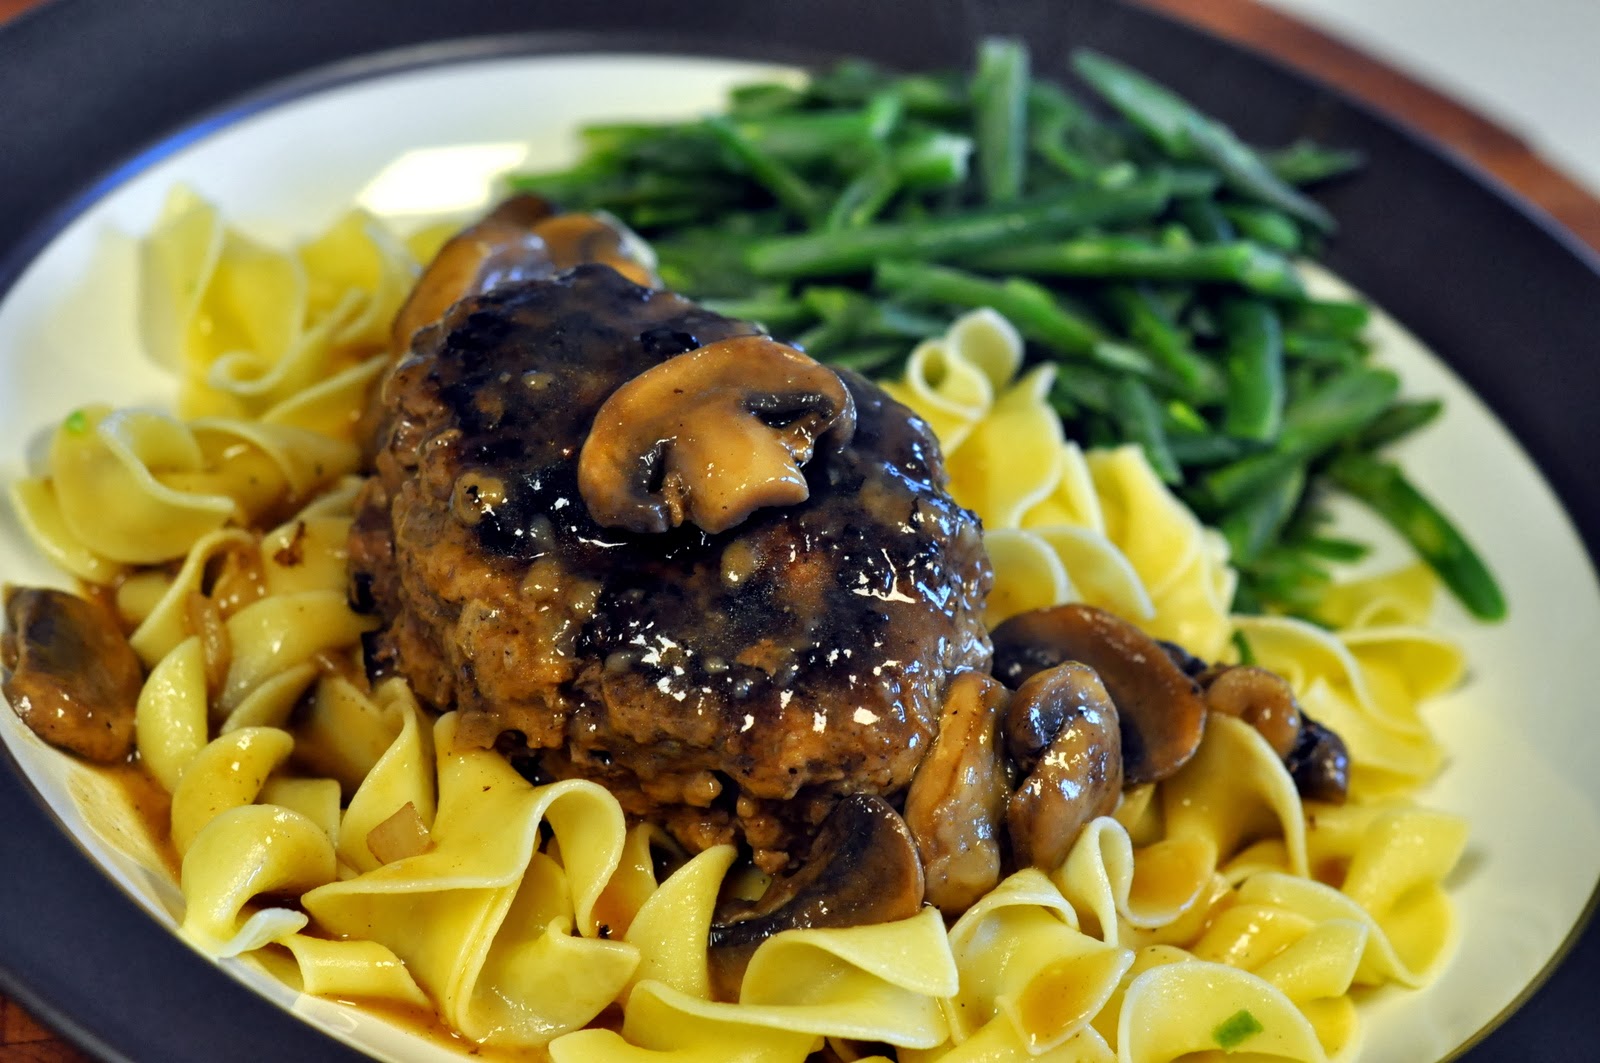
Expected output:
(1500, 152)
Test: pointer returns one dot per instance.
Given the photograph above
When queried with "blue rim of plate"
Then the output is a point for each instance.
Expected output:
(94, 91)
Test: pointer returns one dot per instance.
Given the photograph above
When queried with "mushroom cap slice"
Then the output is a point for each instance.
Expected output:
(72, 677)
(1160, 708)
(710, 436)
(863, 869)
(1260, 698)
(1075, 776)
(956, 805)
(1319, 764)
(522, 238)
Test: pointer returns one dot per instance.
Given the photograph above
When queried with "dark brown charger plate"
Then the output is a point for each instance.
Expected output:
(91, 91)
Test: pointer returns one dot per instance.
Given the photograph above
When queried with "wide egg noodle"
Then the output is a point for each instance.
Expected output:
(1183, 565)
(255, 327)
(1011, 459)
(671, 927)
(352, 970)
(242, 853)
(167, 623)
(1060, 525)
(1118, 889)
(1175, 1009)
(273, 701)
(344, 731)
(877, 983)
(1022, 957)
(332, 405)
(228, 773)
(1234, 790)
(33, 499)
(443, 911)
(315, 799)
(403, 775)
(1391, 748)
(657, 1030)
(260, 465)
(281, 632)
(113, 461)
(951, 381)
(170, 717)
(358, 260)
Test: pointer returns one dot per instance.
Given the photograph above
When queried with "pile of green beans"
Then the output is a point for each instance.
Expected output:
(1131, 239)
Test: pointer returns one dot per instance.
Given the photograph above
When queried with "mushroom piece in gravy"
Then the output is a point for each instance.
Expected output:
(1161, 712)
(956, 806)
(71, 675)
(1062, 731)
(710, 436)
(862, 869)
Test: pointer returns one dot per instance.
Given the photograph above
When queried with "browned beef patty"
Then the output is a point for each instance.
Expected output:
(729, 685)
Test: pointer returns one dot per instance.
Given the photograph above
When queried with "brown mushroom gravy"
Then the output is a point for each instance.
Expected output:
(730, 685)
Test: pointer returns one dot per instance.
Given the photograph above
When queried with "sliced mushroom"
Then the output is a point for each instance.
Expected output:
(1260, 698)
(1161, 712)
(1062, 730)
(956, 805)
(1319, 763)
(863, 869)
(711, 436)
(520, 239)
(72, 677)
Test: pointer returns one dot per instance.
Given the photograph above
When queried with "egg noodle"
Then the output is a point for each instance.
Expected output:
(338, 833)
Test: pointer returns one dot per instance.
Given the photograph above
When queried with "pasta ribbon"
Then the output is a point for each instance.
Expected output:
(482, 918)
(1022, 957)
(239, 854)
(253, 330)
(229, 772)
(1061, 525)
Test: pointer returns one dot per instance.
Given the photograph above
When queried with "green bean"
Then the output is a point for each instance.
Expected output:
(1080, 389)
(1000, 112)
(1383, 487)
(763, 98)
(1205, 220)
(1323, 350)
(1304, 163)
(1206, 448)
(1347, 551)
(861, 200)
(1253, 366)
(1264, 225)
(774, 309)
(1032, 309)
(806, 136)
(932, 158)
(856, 250)
(1147, 322)
(1139, 416)
(1239, 262)
(1398, 421)
(1330, 317)
(1255, 523)
(1315, 422)
(787, 187)
(1052, 115)
(1189, 136)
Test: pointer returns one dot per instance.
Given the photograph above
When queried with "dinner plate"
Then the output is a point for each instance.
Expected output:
(286, 113)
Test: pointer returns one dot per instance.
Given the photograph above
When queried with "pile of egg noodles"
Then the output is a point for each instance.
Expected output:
(337, 833)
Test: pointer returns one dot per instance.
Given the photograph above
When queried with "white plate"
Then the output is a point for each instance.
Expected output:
(1522, 747)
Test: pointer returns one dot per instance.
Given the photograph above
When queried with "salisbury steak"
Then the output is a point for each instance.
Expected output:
(728, 684)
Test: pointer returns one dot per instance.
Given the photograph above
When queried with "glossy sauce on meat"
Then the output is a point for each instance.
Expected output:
(729, 684)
